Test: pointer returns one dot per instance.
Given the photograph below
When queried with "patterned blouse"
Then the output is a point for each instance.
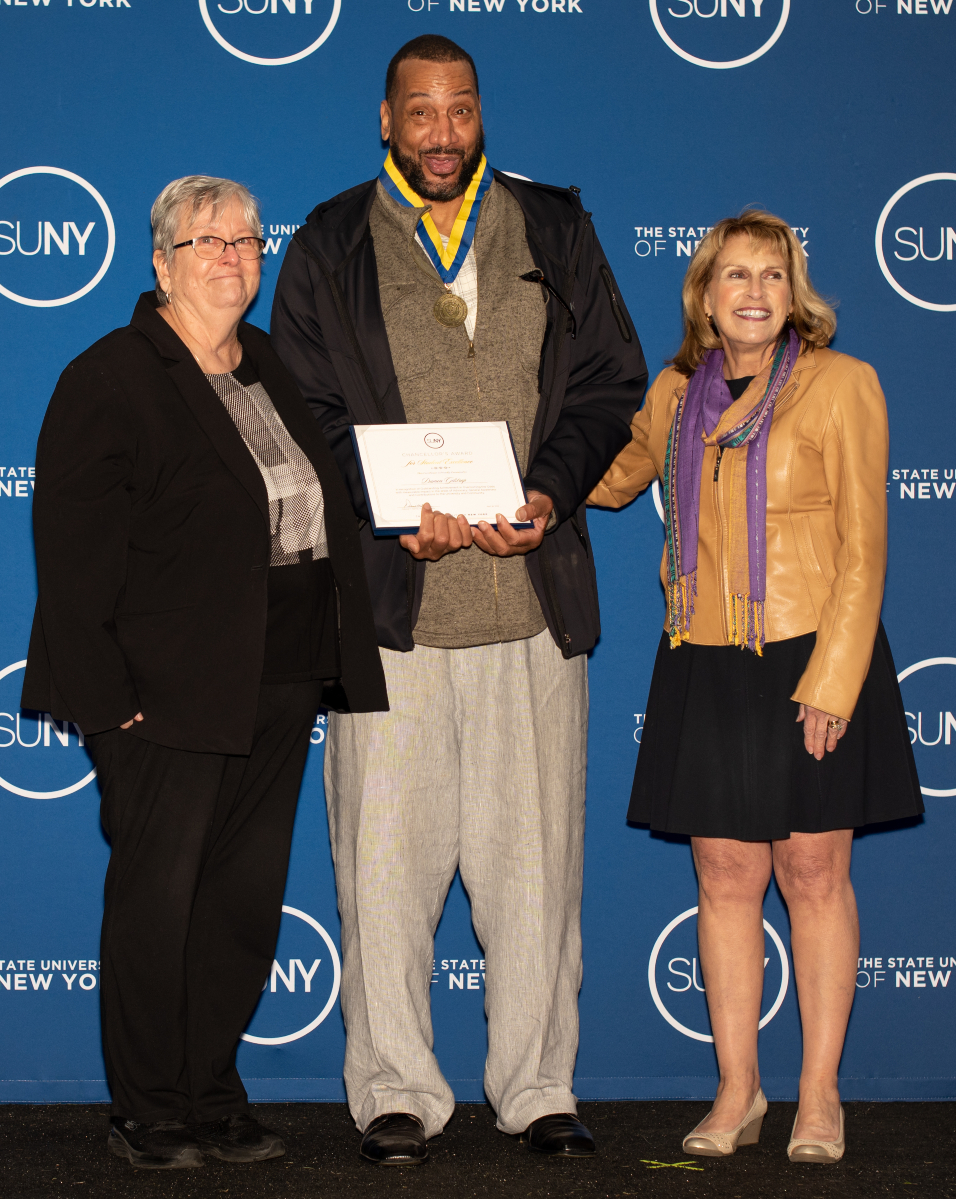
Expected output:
(296, 503)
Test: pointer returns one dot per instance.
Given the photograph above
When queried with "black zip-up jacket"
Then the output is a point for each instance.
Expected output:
(327, 326)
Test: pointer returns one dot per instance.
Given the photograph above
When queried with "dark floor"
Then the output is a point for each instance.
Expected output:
(894, 1149)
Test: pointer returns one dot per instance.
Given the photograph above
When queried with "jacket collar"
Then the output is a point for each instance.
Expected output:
(335, 229)
(545, 207)
(185, 373)
(169, 344)
(147, 320)
(806, 360)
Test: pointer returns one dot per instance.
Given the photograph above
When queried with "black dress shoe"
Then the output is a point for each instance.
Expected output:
(561, 1135)
(166, 1145)
(395, 1139)
(238, 1138)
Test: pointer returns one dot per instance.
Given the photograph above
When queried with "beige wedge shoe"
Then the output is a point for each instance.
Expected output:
(723, 1144)
(823, 1153)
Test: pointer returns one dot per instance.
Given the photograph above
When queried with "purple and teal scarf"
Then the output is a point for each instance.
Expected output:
(698, 414)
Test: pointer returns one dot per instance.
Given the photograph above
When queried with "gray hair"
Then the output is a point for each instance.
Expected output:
(197, 192)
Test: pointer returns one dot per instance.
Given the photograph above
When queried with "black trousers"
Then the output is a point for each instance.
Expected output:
(200, 851)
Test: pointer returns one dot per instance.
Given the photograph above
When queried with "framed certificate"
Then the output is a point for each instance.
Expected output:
(462, 467)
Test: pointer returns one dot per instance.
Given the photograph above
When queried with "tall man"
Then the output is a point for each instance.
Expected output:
(446, 291)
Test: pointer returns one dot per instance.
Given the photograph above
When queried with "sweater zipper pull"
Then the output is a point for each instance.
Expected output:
(471, 349)
(720, 454)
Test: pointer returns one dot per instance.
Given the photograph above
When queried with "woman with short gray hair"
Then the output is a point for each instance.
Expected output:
(201, 593)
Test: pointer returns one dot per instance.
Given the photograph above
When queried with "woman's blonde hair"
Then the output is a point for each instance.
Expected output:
(812, 317)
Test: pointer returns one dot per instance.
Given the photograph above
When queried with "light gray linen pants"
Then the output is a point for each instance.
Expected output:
(480, 765)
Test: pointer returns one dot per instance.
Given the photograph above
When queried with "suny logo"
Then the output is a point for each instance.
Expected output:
(270, 33)
(677, 987)
(40, 758)
(720, 34)
(928, 700)
(302, 986)
(916, 241)
(56, 237)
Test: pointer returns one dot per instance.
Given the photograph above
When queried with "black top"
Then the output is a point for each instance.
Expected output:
(302, 640)
(739, 386)
(153, 544)
(301, 628)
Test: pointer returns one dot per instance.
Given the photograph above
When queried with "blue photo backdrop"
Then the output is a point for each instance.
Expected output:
(668, 114)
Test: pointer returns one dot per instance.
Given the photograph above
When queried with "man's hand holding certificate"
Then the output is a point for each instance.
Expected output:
(440, 533)
(443, 487)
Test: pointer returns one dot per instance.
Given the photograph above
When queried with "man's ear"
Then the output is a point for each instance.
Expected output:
(385, 116)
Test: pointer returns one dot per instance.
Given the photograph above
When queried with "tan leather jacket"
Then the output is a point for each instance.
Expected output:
(826, 514)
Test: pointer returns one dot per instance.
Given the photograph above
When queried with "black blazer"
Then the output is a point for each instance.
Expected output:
(151, 523)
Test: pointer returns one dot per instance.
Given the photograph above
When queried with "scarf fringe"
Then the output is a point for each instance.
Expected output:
(680, 607)
(746, 623)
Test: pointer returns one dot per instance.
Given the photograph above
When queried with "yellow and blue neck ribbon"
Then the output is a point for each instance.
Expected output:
(449, 260)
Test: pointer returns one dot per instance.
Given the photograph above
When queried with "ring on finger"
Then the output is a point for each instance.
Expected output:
(834, 725)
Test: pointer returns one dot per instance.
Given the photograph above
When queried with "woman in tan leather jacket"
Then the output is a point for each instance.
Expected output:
(774, 723)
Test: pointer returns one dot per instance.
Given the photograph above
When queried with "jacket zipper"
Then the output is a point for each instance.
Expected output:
(720, 546)
(615, 307)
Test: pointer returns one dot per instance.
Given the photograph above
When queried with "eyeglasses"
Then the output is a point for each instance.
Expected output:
(212, 248)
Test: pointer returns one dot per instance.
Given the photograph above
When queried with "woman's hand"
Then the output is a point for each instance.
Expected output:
(129, 723)
(821, 731)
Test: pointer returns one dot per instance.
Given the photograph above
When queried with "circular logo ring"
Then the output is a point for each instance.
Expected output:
(40, 794)
(336, 980)
(270, 62)
(658, 502)
(721, 66)
(110, 244)
(905, 674)
(880, 225)
(689, 1032)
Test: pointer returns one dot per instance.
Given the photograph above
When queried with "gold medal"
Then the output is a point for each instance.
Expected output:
(450, 310)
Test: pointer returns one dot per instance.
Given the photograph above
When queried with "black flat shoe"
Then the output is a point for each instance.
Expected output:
(238, 1138)
(166, 1145)
(561, 1135)
(395, 1139)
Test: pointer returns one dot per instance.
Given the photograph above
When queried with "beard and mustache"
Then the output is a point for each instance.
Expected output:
(414, 174)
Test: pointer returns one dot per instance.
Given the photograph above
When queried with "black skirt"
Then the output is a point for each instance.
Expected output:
(722, 755)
